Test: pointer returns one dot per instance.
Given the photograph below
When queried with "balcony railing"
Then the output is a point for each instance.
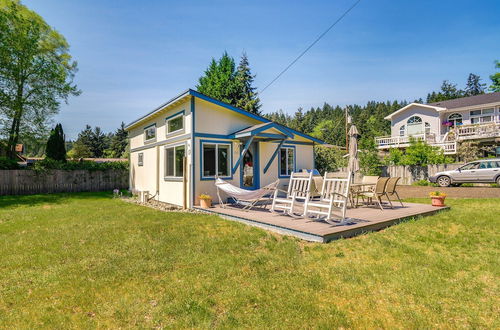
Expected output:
(447, 142)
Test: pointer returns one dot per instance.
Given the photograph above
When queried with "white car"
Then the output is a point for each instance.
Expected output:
(479, 171)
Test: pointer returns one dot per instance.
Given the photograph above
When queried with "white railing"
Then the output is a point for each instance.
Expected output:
(477, 131)
(447, 142)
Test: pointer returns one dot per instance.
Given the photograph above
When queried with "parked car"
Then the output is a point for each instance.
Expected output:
(479, 171)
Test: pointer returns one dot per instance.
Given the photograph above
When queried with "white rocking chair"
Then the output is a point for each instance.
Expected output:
(334, 194)
(299, 190)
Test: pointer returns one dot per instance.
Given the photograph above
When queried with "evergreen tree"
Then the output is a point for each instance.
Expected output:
(474, 85)
(495, 79)
(449, 91)
(119, 142)
(219, 81)
(56, 148)
(248, 99)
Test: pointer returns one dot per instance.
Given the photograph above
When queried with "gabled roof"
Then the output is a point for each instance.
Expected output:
(191, 92)
(469, 101)
(454, 104)
(389, 117)
(258, 129)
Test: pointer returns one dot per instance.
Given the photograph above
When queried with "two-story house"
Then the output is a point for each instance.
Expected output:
(446, 124)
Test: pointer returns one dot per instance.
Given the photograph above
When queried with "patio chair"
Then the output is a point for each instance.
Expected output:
(376, 193)
(299, 190)
(246, 198)
(334, 194)
(390, 190)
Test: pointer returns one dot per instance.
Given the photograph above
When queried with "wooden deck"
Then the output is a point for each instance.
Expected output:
(363, 219)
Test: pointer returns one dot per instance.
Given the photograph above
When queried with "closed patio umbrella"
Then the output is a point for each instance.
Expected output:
(353, 150)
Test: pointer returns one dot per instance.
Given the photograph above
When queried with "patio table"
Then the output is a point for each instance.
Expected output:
(357, 187)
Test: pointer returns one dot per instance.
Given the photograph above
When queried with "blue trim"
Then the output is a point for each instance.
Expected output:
(273, 136)
(213, 136)
(295, 142)
(243, 152)
(256, 169)
(176, 114)
(294, 161)
(183, 114)
(273, 156)
(202, 178)
(172, 100)
(153, 124)
(193, 149)
(224, 105)
(228, 106)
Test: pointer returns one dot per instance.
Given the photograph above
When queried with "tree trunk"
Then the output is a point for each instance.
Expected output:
(16, 121)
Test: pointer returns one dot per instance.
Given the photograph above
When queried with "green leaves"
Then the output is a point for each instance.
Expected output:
(495, 79)
(36, 73)
(223, 82)
(56, 148)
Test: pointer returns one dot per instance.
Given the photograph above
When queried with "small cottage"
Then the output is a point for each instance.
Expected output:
(178, 149)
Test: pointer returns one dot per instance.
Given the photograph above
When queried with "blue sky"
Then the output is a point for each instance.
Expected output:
(134, 55)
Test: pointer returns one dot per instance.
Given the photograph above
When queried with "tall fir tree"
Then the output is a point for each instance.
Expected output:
(119, 142)
(219, 80)
(56, 147)
(248, 98)
(474, 85)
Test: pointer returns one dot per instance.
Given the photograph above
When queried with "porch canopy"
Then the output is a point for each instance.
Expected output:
(265, 132)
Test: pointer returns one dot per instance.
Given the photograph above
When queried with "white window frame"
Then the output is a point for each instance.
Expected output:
(175, 116)
(286, 161)
(173, 146)
(229, 160)
(145, 129)
(482, 115)
(402, 130)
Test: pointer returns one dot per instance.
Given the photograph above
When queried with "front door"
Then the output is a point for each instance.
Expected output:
(249, 172)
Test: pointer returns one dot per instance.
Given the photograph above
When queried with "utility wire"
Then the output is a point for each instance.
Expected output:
(311, 45)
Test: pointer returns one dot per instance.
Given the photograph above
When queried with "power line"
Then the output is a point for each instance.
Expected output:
(310, 46)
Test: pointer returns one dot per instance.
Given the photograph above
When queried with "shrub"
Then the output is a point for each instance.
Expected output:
(328, 159)
(8, 164)
(50, 164)
(423, 183)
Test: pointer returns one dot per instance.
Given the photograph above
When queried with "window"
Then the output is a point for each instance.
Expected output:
(287, 161)
(402, 131)
(174, 157)
(481, 116)
(490, 164)
(150, 132)
(427, 128)
(175, 123)
(414, 120)
(455, 119)
(216, 159)
(140, 159)
(471, 166)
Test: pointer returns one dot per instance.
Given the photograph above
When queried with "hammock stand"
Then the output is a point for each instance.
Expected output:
(246, 198)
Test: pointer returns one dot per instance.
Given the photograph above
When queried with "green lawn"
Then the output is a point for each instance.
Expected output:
(87, 260)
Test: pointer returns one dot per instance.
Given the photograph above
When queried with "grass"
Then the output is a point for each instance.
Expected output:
(87, 260)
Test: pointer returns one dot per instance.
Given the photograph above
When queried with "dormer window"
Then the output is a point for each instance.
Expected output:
(175, 123)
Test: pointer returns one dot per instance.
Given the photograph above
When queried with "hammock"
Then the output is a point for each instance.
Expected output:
(246, 198)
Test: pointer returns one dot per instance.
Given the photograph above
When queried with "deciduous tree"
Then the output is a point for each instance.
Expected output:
(36, 72)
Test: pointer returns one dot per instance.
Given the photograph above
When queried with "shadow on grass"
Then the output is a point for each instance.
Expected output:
(59, 198)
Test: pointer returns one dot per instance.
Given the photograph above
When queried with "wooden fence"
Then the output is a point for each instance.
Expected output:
(26, 182)
(410, 174)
